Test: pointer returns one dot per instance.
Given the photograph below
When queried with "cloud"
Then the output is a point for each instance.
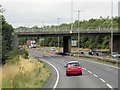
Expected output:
(34, 12)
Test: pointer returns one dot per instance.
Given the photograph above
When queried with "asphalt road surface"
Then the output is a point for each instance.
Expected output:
(95, 75)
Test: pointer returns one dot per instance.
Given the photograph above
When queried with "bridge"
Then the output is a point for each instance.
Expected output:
(67, 33)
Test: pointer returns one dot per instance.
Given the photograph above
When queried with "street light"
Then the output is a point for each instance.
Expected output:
(71, 15)
(58, 30)
(111, 26)
(43, 30)
(43, 24)
(78, 27)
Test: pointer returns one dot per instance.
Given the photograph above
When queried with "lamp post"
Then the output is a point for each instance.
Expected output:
(58, 36)
(43, 30)
(71, 16)
(111, 26)
(78, 27)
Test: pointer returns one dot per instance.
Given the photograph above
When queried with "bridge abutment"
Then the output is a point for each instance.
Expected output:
(66, 44)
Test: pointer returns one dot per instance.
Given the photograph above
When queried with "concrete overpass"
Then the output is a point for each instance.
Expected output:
(67, 33)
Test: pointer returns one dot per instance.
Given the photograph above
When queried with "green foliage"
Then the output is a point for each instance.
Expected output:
(13, 57)
(13, 60)
(100, 42)
(7, 30)
(24, 53)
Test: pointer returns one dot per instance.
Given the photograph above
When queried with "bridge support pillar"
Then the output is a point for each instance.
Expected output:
(15, 41)
(116, 43)
(66, 44)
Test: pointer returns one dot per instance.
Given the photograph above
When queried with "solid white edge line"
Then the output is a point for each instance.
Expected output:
(104, 64)
(57, 80)
(109, 85)
(102, 80)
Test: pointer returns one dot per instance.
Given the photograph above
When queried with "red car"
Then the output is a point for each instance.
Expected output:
(73, 68)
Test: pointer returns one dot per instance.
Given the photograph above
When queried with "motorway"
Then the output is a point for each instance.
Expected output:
(95, 75)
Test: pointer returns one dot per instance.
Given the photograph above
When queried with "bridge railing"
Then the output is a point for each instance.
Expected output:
(66, 30)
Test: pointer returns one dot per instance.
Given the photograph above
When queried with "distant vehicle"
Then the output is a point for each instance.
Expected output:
(115, 55)
(31, 43)
(56, 51)
(80, 51)
(53, 49)
(19, 47)
(73, 68)
(93, 52)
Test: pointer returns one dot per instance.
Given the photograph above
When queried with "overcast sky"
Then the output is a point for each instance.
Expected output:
(35, 12)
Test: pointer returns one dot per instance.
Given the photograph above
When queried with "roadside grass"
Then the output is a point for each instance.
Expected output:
(0, 77)
(27, 73)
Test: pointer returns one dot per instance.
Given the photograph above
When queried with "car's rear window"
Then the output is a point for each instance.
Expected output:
(73, 64)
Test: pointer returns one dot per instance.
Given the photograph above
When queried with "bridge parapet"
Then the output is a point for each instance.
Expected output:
(75, 30)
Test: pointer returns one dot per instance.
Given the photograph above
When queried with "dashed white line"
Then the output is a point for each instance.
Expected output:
(95, 75)
(102, 80)
(84, 68)
(90, 72)
(104, 64)
(109, 85)
(95, 62)
(58, 76)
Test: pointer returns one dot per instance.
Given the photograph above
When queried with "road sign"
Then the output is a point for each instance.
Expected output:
(74, 43)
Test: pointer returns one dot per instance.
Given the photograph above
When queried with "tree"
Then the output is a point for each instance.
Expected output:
(7, 30)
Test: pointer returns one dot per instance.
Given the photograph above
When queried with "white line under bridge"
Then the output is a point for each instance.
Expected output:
(67, 33)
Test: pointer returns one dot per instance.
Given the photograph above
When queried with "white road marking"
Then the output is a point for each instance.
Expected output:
(109, 85)
(90, 72)
(58, 76)
(102, 80)
(104, 64)
(95, 75)
(84, 68)
(95, 62)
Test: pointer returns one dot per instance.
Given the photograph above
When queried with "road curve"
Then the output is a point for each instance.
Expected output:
(94, 75)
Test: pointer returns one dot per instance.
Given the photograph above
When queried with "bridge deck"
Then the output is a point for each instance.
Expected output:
(106, 31)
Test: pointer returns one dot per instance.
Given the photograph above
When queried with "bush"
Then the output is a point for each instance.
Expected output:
(12, 57)
(24, 53)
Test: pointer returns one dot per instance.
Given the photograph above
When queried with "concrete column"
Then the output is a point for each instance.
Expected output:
(116, 43)
(15, 41)
(66, 44)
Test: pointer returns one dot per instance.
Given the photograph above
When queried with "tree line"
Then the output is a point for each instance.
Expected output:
(7, 31)
(97, 42)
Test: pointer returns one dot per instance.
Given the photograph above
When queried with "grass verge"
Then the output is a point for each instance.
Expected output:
(26, 73)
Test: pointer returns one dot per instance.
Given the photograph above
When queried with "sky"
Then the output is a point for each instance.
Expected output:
(45, 12)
